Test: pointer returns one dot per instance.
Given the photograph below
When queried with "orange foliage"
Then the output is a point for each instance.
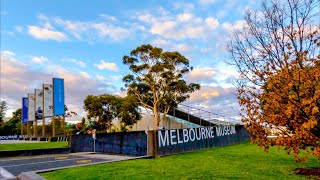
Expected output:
(278, 56)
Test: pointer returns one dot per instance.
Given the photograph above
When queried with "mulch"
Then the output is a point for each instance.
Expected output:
(308, 172)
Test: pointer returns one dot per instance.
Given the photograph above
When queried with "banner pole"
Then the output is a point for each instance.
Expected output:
(21, 131)
(63, 124)
(43, 120)
(28, 128)
(53, 129)
(35, 128)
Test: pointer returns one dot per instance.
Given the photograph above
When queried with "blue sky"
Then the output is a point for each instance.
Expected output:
(84, 42)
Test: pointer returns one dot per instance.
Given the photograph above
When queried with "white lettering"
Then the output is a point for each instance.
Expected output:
(218, 131)
(203, 133)
(208, 135)
(211, 132)
(163, 140)
(178, 137)
(233, 129)
(185, 135)
(198, 135)
(172, 136)
(194, 136)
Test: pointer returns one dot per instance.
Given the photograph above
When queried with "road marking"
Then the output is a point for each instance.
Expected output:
(61, 157)
(5, 174)
(42, 162)
(83, 161)
(26, 158)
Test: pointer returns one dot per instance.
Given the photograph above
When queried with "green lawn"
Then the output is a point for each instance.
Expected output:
(244, 161)
(27, 146)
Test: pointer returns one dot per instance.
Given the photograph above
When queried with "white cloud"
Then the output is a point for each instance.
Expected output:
(184, 17)
(18, 28)
(106, 65)
(93, 30)
(171, 45)
(160, 42)
(220, 75)
(212, 23)
(178, 27)
(118, 77)
(101, 78)
(183, 6)
(202, 74)
(217, 100)
(207, 2)
(40, 59)
(46, 34)
(113, 32)
(7, 53)
(236, 25)
(183, 47)
(76, 61)
(20, 79)
(85, 75)
(108, 17)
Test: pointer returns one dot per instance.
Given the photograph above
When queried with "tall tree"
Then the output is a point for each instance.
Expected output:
(157, 79)
(128, 111)
(104, 108)
(277, 55)
(3, 108)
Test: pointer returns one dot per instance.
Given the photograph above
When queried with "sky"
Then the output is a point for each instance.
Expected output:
(84, 42)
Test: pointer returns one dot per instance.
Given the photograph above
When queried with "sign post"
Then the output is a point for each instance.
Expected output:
(94, 139)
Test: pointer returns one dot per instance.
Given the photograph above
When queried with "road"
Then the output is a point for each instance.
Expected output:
(17, 165)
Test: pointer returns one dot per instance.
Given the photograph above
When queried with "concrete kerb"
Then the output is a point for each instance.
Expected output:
(54, 169)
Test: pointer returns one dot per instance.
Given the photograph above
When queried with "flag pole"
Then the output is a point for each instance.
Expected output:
(43, 110)
(53, 129)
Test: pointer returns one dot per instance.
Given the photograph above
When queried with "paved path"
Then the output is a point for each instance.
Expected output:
(18, 165)
(18, 141)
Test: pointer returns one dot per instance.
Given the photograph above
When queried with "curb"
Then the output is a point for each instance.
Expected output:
(34, 175)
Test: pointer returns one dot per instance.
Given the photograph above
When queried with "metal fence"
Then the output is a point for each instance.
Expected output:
(125, 143)
(177, 144)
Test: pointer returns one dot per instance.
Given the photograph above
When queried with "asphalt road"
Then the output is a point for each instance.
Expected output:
(17, 165)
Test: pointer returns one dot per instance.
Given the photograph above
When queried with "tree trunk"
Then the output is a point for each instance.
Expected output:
(155, 129)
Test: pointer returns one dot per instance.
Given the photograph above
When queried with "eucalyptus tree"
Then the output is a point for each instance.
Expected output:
(157, 79)
(104, 108)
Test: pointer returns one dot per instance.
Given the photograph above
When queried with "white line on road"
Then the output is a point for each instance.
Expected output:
(43, 162)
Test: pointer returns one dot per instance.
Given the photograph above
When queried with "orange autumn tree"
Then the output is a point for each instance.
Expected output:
(277, 54)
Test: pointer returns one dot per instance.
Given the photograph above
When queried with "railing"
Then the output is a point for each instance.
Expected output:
(204, 115)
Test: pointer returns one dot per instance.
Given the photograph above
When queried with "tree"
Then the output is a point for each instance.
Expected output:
(128, 111)
(104, 108)
(3, 108)
(277, 55)
(157, 79)
(13, 126)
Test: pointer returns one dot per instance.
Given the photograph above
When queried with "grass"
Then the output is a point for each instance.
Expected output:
(244, 161)
(28, 146)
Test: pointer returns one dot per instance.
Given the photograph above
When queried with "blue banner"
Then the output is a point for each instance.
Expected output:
(24, 110)
(58, 96)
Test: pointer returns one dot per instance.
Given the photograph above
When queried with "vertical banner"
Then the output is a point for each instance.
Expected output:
(38, 103)
(31, 110)
(58, 96)
(24, 110)
(47, 100)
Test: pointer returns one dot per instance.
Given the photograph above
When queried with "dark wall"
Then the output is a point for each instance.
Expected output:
(241, 135)
(126, 143)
